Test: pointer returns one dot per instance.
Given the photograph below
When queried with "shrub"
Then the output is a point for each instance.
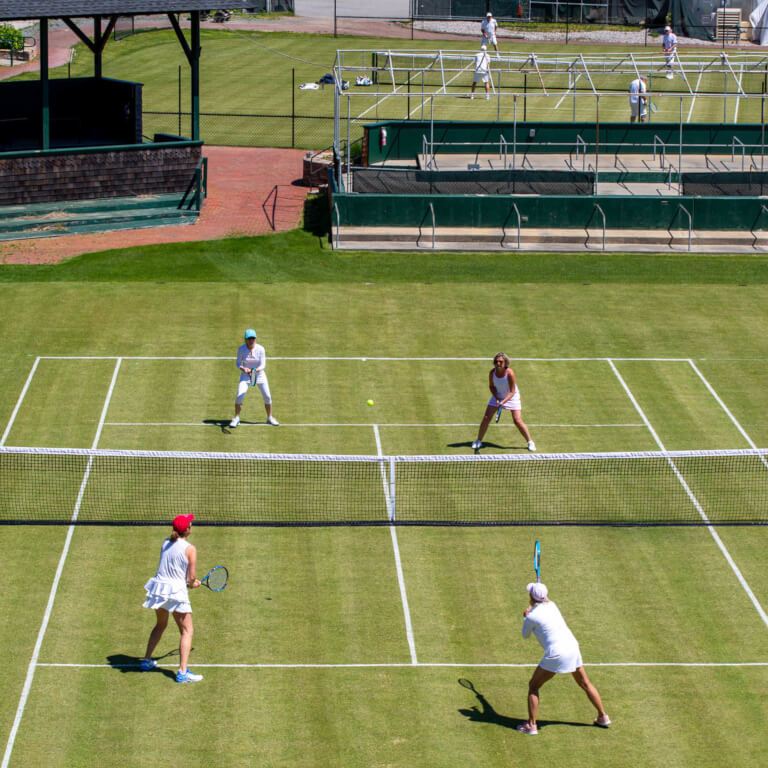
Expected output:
(11, 38)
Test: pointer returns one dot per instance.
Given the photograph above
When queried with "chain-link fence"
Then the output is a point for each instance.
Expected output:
(256, 130)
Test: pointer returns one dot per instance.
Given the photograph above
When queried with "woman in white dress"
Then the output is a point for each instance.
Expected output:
(506, 395)
(167, 595)
(561, 655)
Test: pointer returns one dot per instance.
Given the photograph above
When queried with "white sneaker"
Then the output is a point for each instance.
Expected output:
(235, 422)
(669, 75)
(273, 421)
(188, 677)
(531, 445)
(476, 445)
(487, 97)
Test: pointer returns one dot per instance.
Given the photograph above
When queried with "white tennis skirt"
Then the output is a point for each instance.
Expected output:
(562, 660)
(513, 404)
(167, 595)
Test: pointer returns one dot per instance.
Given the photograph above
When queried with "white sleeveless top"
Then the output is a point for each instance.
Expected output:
(173, 561)
(502, 385)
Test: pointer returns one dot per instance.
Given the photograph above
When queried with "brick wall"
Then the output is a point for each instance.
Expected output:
(87, 175)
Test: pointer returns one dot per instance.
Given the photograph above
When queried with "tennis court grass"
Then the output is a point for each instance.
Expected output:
(248, 73)
(650, 599)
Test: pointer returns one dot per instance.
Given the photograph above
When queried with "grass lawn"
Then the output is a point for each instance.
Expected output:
(249, 87)
(342, 646)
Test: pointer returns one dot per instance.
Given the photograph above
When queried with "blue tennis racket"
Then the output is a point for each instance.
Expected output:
(537, 560)
(216, 579)
(498, 414)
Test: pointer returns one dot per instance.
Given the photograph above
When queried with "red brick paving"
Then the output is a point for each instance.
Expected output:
(241, 201)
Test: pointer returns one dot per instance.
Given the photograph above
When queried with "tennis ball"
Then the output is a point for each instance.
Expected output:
(370, 402)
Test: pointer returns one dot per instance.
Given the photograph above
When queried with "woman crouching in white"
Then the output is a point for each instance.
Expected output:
(561, 654)
(167, 594)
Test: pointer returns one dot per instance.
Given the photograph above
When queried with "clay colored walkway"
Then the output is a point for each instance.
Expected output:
(251, 191)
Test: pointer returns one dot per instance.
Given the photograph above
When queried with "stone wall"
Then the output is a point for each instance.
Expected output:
(54, 177)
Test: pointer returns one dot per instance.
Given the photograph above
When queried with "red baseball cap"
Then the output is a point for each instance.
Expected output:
(181, 523)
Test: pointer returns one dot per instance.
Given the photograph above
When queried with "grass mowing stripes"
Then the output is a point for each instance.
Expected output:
(331, 596)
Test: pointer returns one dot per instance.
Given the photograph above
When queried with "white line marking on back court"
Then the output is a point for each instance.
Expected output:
(728, 413)
(398, 561)
(448, 664)
(694, 500)
(224, 423)
(55, 586)
(484, 358)
(19, 401)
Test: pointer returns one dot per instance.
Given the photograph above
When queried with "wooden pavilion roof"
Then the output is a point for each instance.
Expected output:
(51, 9)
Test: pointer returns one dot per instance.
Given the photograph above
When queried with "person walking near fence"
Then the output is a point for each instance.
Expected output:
(669, 46)
(638, 100)
(482, 71)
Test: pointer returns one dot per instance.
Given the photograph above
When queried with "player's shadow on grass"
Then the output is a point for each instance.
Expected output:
(485, 713)
(468, 444)
(127, 664)
(223, 424)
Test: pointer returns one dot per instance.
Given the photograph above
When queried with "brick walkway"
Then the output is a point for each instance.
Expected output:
(251, 191)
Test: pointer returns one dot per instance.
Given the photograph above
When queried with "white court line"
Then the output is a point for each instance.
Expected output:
(398, 561)
(720, 402)
(19, 401)
(485, 358)
(55, 586)
(285, 424)
(449, 664)
(695, 501)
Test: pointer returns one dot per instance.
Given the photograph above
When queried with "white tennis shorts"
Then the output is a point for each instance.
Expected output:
(482, 77)
(491, 40)
(638, 110)
(562, 660)
(513, 404)
(245, 384)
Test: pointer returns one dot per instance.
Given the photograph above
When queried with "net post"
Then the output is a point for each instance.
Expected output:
(391, 489)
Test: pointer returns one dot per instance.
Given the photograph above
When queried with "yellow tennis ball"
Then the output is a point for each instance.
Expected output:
(370, 402)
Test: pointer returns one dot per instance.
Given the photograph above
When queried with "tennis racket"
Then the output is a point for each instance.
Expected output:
(537, 560)
(653, 107)
(216, 578)
(254, 374)
(467, 684)
(498, 414)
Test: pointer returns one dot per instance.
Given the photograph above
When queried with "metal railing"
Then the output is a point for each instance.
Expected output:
(432, 212)
(519, 226)
(595, 207)
(755, 230)
(681, 207)
(338, 225)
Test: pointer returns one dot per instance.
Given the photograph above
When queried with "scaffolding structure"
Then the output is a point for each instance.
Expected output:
(430, 85)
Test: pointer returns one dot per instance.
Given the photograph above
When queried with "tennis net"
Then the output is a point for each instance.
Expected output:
(48, 485)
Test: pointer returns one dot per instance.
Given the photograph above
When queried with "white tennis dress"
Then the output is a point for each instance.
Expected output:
(561, 649)
(168, 587)
(502, 390)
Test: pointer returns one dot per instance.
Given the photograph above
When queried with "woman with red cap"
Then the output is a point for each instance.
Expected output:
(167, 595)
(561, 654)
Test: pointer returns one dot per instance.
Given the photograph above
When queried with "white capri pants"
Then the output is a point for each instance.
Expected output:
(245, 384)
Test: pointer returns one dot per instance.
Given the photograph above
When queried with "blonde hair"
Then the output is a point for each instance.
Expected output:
(503, 356)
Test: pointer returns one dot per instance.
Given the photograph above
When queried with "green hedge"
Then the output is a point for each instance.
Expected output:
(10, 38)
